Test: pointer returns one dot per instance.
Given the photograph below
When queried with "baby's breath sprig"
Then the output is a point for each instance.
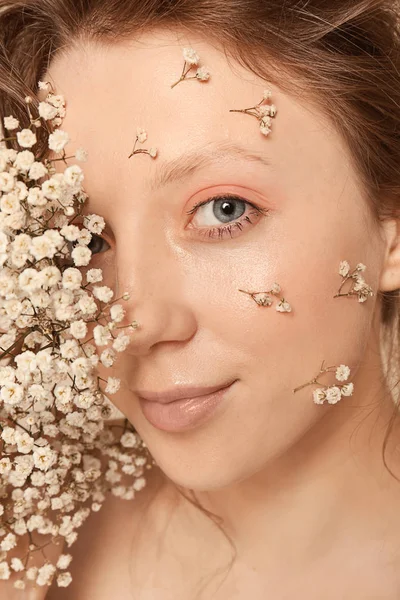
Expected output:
(264, 114)
(192, 60)
(141, 137)
(333, 393)
(59, 454)
(264, 298)
(359, 287)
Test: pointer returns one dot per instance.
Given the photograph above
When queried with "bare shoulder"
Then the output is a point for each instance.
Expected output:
(108, 539)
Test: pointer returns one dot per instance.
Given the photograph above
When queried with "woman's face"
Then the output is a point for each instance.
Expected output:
(183, 271)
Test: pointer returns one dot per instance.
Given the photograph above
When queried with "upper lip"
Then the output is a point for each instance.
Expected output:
(180, 393)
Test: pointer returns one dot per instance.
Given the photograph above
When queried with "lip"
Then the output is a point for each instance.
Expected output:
(186, 413)
(180, 393)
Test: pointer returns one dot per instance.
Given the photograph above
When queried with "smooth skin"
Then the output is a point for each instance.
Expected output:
(301, 488)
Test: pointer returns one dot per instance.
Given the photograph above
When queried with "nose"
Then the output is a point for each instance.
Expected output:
(154, 277)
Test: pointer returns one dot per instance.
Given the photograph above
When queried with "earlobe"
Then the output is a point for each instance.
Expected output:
(390, 277)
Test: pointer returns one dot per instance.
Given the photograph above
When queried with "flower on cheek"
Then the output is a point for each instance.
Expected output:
(332, 393)
(359, 287)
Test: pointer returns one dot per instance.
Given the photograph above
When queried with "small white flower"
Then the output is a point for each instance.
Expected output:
(141, 135)
(8, 436)
(344, 268)
(44, 458)
(107, 357)
(113, 385)
(11, 393)
(203, 74)
(47, 111)
(26, 138)
(103, 293)
(64, 561)
(24, 442)
(81, 256)
(37, 171)
(10, 123)
(72, 278)
(121, 342)
(283, 307)
(342, 373)
(7, 182)
(58, 140)
(17, 564)
(36, 197)
(73, 175)
(94, 223)
(153, 152)
(64, 579)
(78, 329)
(102, 335)
(262, 299)
(191, 56)
(276, 288)
(81, 155)
(333, 394)
(4, 570)
(347, 389)
(361, 267)
(43, 85)
(24, 160)
(319, 396)
(267, 94)
(117, 312)
(129, 439)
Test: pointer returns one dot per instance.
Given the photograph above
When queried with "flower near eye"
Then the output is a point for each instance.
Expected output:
(192, 59)
(54, 409)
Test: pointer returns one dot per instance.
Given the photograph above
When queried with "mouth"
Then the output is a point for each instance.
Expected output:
(180, 393)
(184, 413)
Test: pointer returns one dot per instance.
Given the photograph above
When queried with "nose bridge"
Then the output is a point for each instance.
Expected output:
(144, 260)
(148, 269)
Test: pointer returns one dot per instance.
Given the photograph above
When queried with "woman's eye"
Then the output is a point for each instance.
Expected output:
(96, 244)
(224, 215)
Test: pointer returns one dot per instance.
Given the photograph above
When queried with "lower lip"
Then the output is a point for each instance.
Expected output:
(181, 415)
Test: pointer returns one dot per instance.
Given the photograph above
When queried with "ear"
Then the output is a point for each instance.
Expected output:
(390, 276)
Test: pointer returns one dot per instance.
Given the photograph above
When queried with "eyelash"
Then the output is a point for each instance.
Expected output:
(221, 232)
(224, 230)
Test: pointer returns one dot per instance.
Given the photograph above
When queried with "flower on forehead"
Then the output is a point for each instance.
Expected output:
(332, 394)
(359, 287)
(141, 137)
(264, 298)
(192, 59)
(56, 326)
(264, 113)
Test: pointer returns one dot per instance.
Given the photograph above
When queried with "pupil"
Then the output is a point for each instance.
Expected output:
(227, 207)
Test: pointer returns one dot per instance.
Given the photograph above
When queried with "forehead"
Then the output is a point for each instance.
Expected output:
(111, 90)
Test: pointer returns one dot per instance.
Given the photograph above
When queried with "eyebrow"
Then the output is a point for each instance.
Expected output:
(184, 166)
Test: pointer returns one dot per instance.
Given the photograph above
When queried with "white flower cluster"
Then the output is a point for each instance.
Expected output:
(358, 287)
(264, 114)
(331, 393)
(57, 450)
(334, 393)
(192, 59)
(264, 298)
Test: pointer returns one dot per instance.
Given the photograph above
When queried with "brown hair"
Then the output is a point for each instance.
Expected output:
(342, 56)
